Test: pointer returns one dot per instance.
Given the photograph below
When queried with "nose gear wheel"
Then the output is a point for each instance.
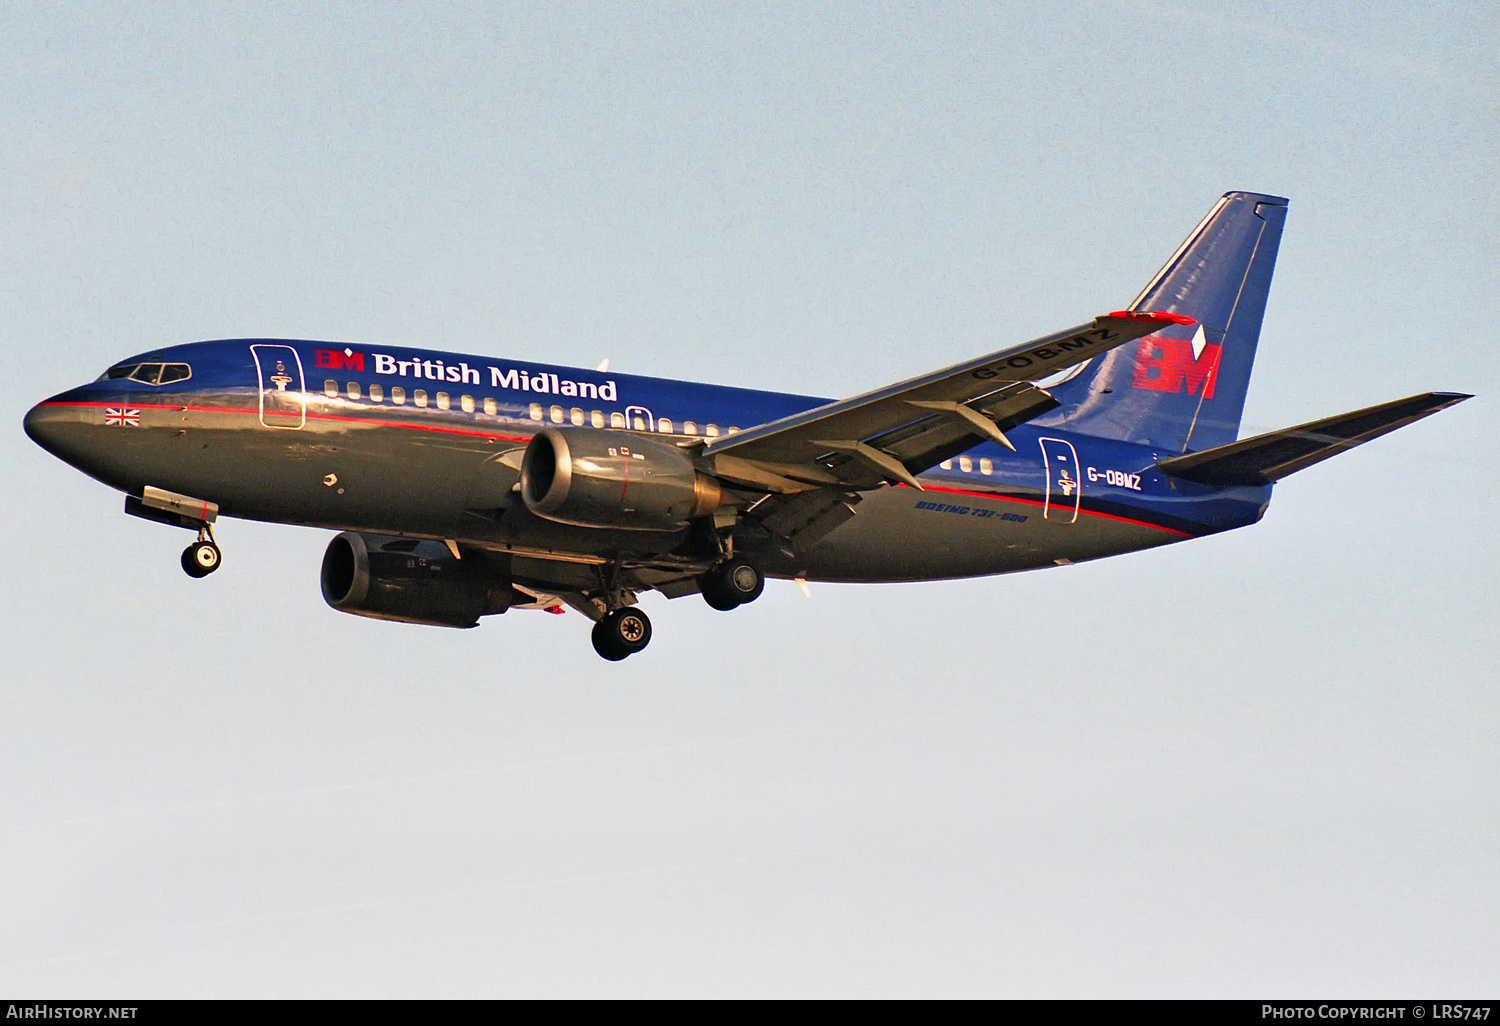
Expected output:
(203, 556)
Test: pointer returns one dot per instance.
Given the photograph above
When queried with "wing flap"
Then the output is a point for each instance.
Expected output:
(930, 440)
(806, 519)
(1268, 458)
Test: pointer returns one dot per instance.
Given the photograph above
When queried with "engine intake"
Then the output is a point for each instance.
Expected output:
(592, 478)
(411, 581)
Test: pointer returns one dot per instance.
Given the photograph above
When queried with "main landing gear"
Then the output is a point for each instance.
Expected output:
(621, 633)
(731, 584)
(625, 631)
(203, 556)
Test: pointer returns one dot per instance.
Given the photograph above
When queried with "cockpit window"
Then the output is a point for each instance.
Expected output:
(149, 373)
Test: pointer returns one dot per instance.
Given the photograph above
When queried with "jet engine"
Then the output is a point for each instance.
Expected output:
(411, 581)
(612, 479)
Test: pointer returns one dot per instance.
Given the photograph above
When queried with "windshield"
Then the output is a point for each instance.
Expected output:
(148, 373)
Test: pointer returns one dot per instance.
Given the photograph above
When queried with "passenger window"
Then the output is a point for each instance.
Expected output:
(638, 423)
(576, 416)
(617, 420)
(175, 372)
(146, 373)
(946, 464)
(664, 425)
(419, 396)
(331, 388)
(490, 407)
(689, 428)
(377, 393)
(466, 403)
(442, 400)
(557, 414)
(986, 467)
(597, 419)
(398, 395)
(712, 431)
(354, 390)
(732, 431)
(536, 411)
(965, 464)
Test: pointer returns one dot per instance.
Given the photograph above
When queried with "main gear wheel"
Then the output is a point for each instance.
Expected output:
(731, 584)
(621, 633)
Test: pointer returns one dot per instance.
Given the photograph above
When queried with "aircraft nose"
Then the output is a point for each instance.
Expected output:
(44, 425)
(68, 426)
(58, 426)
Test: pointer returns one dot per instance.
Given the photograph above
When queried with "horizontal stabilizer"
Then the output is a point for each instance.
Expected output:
(1270, 457)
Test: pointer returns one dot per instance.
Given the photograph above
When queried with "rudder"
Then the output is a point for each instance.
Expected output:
(1183, 388)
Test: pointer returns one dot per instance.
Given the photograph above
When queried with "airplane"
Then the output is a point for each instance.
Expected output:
(465, 486)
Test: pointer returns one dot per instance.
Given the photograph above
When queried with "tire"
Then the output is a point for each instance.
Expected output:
(731, 585)
(715, 594)
(604, 643)
(201, 559)
(630, 629)
(743, 580)
(621, 633)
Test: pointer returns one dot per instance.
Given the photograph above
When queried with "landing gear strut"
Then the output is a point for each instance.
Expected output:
(731, 584)
(203, 556)
(621, 633)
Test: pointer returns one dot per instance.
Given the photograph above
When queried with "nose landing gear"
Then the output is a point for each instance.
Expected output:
(203, 556)
(621, 633)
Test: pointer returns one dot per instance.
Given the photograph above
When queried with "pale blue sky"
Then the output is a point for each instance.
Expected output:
(1257, 764)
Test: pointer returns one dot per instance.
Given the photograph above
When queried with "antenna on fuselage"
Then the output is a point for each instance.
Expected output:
(603, 365)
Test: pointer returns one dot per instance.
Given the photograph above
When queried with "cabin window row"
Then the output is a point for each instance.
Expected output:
(557, 414)
(663, 425)
(398, 395)
(419, 397)
(966, 464)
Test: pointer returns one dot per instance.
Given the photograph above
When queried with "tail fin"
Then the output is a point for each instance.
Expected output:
(1183, 388)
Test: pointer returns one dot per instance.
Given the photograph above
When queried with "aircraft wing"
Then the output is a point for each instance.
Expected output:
(893, 433)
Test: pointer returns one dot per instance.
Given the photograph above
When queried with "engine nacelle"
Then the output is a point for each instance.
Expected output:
(409, 580)
(593, 478)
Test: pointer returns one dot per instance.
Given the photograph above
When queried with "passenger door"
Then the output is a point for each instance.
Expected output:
(283, 400)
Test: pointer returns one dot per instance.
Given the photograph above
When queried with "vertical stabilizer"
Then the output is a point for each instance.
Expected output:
(1183, 388)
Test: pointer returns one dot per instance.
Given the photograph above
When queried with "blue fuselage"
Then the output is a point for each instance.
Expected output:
(399, 441)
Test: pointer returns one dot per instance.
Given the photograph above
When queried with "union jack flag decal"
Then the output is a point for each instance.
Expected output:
(122, 416)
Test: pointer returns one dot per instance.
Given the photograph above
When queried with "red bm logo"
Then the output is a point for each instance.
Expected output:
(347, 360)
(1168, 365)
